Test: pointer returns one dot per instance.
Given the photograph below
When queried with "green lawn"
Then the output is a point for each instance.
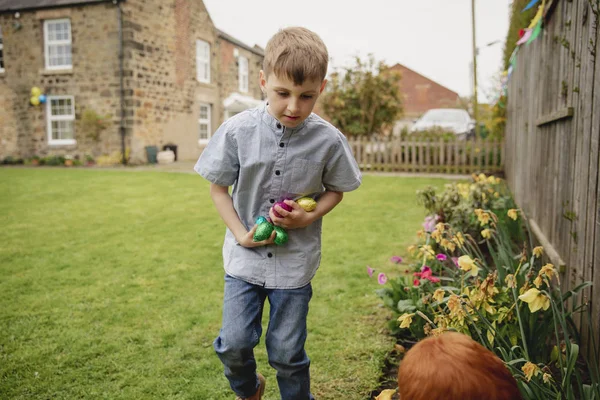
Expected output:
(111, 286)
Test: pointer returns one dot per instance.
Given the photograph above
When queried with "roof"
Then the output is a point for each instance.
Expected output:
(256, 49)
(398, 65)
(21, 5)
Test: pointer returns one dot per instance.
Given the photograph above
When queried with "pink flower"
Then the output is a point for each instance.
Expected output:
(441, 257)
(455, 261)
(396, 259)
(416, 282)
(430, 221)
(426, 274)
(381, 278)
(370, 271)
(433, 279)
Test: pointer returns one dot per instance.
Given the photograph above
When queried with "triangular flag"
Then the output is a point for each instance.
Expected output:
(538, 16)
(513, 57)
(525, 37)
(536, 32)
(530, 5)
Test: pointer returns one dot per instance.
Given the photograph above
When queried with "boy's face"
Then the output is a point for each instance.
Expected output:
(289, 103)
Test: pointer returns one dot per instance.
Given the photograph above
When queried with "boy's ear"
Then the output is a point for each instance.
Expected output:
(263, 81)
(323, 86)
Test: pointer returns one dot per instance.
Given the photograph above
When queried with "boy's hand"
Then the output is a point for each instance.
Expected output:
(297, 218)
(248, 239)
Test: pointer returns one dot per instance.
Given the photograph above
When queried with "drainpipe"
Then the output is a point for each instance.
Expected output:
(121, 84)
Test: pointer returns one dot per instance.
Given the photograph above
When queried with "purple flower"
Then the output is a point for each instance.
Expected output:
(396, 259)
(430, 221)
(381, 278)
(441, 257)
(370, 271)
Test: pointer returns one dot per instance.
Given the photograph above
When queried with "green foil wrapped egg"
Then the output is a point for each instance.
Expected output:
(281, 236)
(307, 203)
(263, 232)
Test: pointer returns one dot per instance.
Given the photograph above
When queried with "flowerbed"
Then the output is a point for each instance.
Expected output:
(477, 271)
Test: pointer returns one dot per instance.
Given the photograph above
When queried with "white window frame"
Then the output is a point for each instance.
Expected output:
(1, 49)
(243, 74)
(202, 61)
(205, 121)
(51, 118)
(47, 44)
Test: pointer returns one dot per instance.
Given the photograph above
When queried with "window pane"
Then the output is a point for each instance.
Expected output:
(203, 131)
(203, 112)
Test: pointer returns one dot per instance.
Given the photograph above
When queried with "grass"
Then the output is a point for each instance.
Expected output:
(111, 286)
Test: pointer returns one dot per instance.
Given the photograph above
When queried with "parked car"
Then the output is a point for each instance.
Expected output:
(453, 120)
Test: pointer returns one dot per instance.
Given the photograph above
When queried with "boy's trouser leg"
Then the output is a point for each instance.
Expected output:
(242, 312)
(285, 339)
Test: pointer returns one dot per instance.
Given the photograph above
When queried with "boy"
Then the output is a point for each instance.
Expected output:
(280, 151)
(453, 366)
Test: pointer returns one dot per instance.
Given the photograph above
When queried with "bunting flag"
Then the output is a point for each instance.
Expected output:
(512, 61)
(536, 32)
(538, 16)
(525, 37)
(530, 5)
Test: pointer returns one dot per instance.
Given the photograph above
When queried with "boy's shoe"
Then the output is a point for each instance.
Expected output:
(259, 393)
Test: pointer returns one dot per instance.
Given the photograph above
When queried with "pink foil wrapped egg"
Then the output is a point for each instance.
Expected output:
(282, 205)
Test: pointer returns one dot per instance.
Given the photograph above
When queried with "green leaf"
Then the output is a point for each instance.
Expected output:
(405, 306)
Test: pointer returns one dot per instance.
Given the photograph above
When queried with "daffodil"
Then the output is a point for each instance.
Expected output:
(538, 251)
(547, 378)
(538, 281)
(512, 213)
(448, 245)
(510, 281)
(405, 320)
(438, 295)
(386, 394)
(530, 369)
(486, 234)
(468, 265)
(548, 270)
(459, 239)
(535, 299)
(482, 216)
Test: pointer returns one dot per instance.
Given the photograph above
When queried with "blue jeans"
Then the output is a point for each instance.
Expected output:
(242, 313)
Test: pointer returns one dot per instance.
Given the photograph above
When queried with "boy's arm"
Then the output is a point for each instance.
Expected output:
(298, 218)
(224, 205)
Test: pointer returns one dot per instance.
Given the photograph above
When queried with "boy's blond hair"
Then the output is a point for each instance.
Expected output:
(297, 54)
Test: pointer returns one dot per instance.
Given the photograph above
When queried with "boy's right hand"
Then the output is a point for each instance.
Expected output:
(248, 239)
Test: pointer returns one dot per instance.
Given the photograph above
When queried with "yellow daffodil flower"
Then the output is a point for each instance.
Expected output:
(486, 234)
(512, 213)
(438, 295)
(448, 245)
(386, 394)
(510, 281)
(405, 320)
(538, 281)
(548, 270)
(530, 369)
(468, 265)
(538, 251)
(535, 299)
(547, 378)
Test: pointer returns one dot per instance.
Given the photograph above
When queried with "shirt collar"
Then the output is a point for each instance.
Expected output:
(274, 123)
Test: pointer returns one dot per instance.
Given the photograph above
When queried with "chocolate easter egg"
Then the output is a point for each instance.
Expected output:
(282, 205)
(307, 203)
(263, 232)
(260, 220)
(281, 236)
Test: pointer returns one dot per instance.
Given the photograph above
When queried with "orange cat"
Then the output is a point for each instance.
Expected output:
(453, 366)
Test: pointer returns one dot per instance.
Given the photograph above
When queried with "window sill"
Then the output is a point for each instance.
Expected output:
(66, 71)
(56, 143)
(203, 142)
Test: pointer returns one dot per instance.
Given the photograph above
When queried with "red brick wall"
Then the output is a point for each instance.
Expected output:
(421, 94)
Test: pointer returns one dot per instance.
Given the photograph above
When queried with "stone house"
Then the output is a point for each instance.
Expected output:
(421, 94)
(160, 73)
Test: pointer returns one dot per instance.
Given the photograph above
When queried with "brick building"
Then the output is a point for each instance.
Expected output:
(176, 81)
(421, 94)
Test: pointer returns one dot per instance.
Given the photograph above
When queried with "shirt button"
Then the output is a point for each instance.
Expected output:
(270, 255)
(272, 201)
(277, 172)
(278, 125)
(281, 144)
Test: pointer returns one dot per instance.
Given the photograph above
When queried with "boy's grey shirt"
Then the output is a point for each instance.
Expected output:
(266, 162)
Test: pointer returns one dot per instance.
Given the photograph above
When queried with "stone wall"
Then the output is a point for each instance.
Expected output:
(93, 80)
(162, 92)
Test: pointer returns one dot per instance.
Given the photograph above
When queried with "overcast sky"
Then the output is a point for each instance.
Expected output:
(432, 37)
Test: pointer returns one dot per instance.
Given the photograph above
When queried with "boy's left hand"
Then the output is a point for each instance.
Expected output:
(297, 218)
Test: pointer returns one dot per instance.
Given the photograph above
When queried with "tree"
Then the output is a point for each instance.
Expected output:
(363, 99)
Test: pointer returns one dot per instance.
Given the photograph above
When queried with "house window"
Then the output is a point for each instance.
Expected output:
(57, 44)
(243, 74)
(204, 123)
(1, 52)
(60, 112)
(202, 61)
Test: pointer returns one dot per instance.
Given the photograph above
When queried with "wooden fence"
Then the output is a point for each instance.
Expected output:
(552, 143)
(433, 156)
